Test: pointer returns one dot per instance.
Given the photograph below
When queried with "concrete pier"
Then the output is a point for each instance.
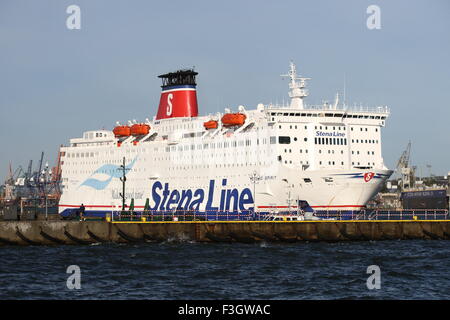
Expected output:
(86, 232)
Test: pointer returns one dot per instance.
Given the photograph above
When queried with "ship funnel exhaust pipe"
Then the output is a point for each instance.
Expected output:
(178, 96)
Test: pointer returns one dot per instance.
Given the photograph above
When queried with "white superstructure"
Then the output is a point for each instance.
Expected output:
(328, 155)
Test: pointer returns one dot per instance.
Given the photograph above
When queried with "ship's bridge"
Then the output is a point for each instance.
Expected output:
(325, 113)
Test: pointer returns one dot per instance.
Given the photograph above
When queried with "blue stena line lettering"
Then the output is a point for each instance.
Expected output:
(329, 134)
(230, 199)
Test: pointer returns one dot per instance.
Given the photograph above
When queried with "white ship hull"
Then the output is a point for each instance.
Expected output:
(349, 191)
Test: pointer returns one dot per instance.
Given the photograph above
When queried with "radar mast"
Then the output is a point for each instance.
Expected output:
(297, 87)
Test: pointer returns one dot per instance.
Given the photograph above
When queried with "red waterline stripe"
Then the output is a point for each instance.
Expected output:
(340, 206)
(265, 207)
(92, 206)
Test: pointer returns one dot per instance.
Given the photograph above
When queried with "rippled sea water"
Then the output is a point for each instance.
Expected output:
(415, 269)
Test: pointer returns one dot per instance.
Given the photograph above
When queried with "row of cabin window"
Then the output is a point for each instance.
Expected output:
(104, 153)
(329, 151)
(290, 150)
(331, 141)
(81, 155)
(85, 144)
(364, 141)
(361, 129)
(331, 163)
(291, 127)
(320, 162)
(213, 145)
(342, 163)
(224, 165)
(368, 152)
(171, 128)
(368, 163)
(326, 128)
(290, 162)
(336, 115)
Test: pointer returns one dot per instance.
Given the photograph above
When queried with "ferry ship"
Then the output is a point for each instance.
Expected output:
(266, 159)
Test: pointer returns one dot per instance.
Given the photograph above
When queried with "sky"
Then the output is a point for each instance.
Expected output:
(56, 83)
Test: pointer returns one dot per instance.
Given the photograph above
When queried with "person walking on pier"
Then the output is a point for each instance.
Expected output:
(82, 212)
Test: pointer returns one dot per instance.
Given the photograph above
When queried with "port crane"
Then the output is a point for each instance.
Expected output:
(28, 173)
(406, 171)
(35, 184)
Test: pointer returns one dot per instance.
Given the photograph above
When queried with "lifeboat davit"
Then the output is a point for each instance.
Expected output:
(211, 124)
(122, 131)
(140, 129)
(233, 119)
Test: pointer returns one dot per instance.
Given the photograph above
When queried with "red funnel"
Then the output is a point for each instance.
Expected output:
(178, 96)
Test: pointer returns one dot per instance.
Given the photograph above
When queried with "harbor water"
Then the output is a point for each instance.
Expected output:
(413, 269)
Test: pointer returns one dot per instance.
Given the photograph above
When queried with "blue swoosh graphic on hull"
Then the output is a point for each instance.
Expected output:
(109, 169)
(96, 184)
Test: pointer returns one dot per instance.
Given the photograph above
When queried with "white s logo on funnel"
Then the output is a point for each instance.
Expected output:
(169, 104)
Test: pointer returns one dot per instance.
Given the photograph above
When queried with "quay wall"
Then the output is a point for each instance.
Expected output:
(40, 232)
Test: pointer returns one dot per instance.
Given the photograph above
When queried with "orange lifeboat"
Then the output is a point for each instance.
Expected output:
(233, 119)
(122, 131)
(140, 129)
(211, 124)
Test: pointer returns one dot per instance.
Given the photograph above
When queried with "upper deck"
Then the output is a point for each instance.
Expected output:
(360, 122)
(328, 114)
(354, 111)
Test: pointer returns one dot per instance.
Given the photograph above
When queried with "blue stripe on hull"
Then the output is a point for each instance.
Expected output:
(249, 215)
(198, 214)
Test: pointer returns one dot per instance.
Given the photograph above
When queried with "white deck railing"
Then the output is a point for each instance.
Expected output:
(329, 108)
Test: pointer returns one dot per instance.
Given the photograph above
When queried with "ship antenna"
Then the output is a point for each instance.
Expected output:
(297, 88)
(345, 84)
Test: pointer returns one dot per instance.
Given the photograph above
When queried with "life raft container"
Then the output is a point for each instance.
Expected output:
(211, 124)
(122, 131)
(233, 119)
(140, 129)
